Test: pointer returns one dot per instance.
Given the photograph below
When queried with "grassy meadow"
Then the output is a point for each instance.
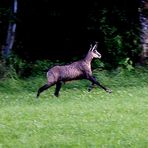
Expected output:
(78, 118)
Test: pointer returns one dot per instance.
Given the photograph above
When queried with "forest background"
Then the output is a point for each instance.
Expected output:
(61, 32)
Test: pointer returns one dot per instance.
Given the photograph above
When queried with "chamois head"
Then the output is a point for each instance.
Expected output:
(93, 51)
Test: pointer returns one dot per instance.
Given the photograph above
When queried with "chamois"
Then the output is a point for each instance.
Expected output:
(75, 71)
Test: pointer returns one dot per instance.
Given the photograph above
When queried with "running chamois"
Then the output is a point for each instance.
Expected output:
(77, 70)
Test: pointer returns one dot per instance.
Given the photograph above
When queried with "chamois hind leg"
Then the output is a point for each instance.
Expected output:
(41, 89)
(58, 87)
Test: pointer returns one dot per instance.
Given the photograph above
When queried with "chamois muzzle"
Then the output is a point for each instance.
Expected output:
(96, 54)
(99, 55)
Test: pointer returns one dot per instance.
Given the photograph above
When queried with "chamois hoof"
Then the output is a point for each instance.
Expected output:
(109, 90)
(37, 96)
(89, 89)
(57, 95)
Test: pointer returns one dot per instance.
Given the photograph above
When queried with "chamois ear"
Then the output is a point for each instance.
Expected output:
(90, 49)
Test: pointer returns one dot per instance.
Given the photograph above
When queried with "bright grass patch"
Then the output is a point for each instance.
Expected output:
(77, 118)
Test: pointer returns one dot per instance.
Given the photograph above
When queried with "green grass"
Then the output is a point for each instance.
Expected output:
(78, 118)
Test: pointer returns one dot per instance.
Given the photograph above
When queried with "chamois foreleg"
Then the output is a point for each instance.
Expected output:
(94, 81)
(58, 87)
(91, 86)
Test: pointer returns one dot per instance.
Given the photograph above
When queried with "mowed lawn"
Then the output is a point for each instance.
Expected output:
(78, 118)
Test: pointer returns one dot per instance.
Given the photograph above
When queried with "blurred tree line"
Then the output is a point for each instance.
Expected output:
(64, 30)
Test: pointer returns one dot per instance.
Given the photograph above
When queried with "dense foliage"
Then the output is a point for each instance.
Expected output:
(63, 31)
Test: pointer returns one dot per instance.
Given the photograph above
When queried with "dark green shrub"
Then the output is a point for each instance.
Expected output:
(3, 69)
(118, 34)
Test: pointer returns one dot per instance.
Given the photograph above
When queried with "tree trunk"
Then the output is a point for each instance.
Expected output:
(144, 28)
(10, 33)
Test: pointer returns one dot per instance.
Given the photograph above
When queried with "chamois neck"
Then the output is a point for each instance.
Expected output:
(88, 58)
